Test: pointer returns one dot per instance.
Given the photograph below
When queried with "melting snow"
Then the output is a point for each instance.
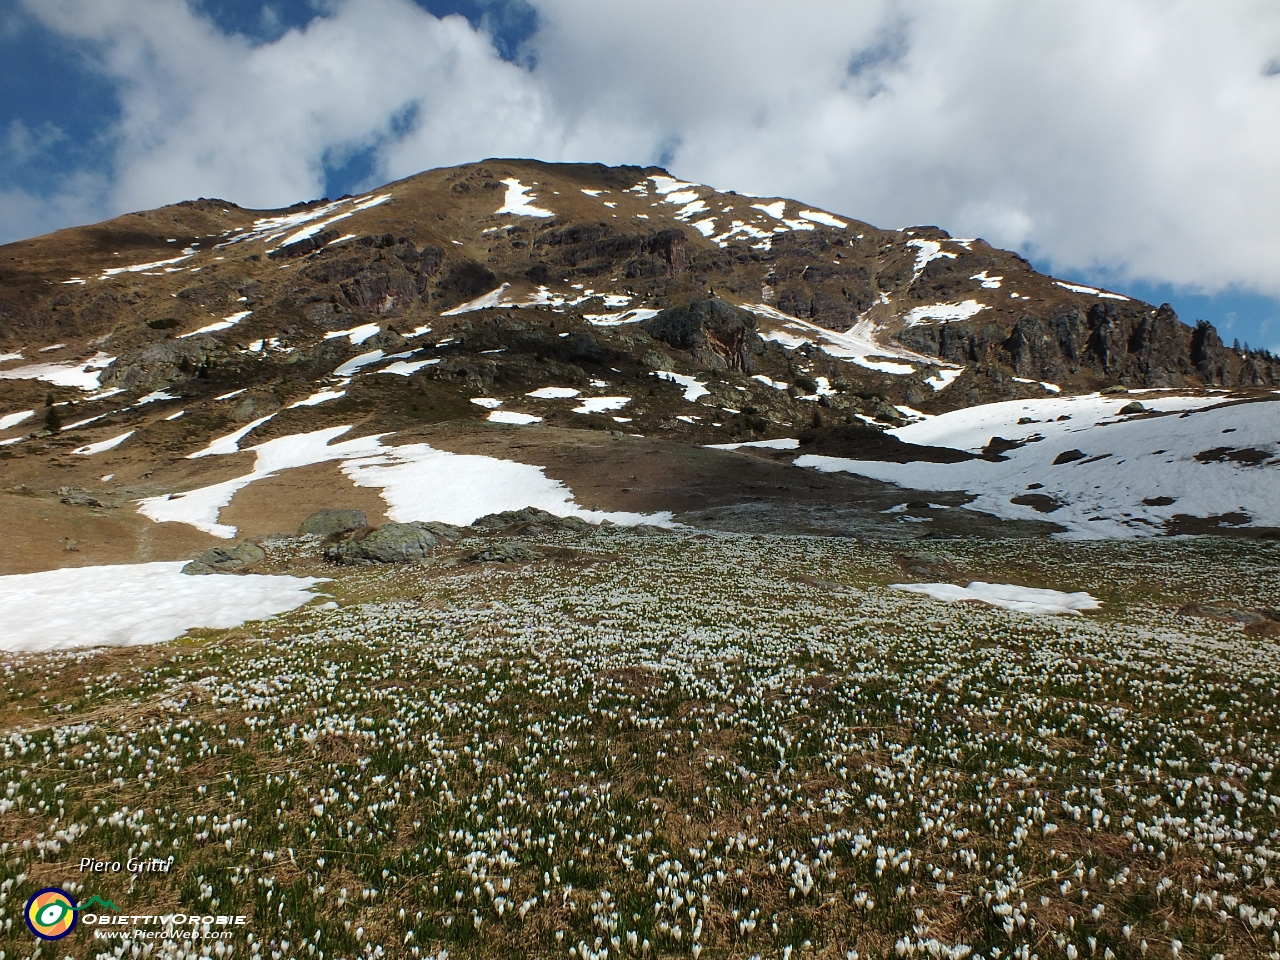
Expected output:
(134, 604)
(200, 507)
(768, 382)
(225, 323)
(1051, 387)
(5, 357)
(1006, 595)
(323, 396)
(156, 396)
(665, 185)
(944, 312)
(944, 378)
(692, 388)
(518, 203)
(988, 283)
(488, 403)
(775, 209)
(554, 393)
(102, 445)
(63, 374)
(618, 319)
(1136, 472)
(422, 483)
(601, 404)
(355, 363)
(13, 419)
(230, 443)
(511, 417)
(491, 299)
(405, 368)
(357, 335)
(1081, 288)
(781, 443)
(826, 219)
(142, 267)
(927, 250)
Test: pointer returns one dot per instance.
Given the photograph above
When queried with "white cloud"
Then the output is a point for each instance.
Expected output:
(1134, 136)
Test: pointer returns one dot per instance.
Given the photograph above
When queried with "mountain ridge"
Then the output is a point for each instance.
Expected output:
(591, 322)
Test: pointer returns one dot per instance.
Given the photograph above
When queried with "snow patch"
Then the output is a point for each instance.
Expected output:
(133, 604)
(927, 250)
(101, 445)
(826, 219)
(355, 363)
(491, 299)
(79, 375)
(944, 312)
(692, 388)
(357, 335)
(514, 418)
(780, 443)
(230, 443)
(553, 393)
(13, 419)
(1006, 595)
(323, 396)
(1081, 288)
(404, 368)
(944, 379)
(601, 404)
(225, 323)
(518, 203)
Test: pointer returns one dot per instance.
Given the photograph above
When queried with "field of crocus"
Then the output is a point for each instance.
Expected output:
(677, 745)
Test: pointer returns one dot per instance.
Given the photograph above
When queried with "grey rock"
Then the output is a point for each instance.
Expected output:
(390, 543)
(529, 520)
(225, 559)
(166, 363)
(78, 497)
(327, 523)
(1131, 408)
(719, 335)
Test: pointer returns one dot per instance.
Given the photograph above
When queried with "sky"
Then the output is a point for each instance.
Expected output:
(1131, 144)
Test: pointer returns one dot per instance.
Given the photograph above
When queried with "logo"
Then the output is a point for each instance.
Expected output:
(96, 901)
(51, 913)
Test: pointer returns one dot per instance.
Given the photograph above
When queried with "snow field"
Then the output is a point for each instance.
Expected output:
(133, 604)
(1135, 473)
(417, 481)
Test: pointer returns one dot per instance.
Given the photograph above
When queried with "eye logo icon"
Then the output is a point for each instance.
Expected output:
(51, 913)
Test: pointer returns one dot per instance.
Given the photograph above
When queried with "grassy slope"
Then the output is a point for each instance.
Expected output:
(727, 746)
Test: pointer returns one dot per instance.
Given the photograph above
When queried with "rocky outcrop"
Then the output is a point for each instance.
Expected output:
(226, 559)
(530, 520)
(166, 363)
(1124, 343)
(392, 543)
(329, 523)
(717, 335)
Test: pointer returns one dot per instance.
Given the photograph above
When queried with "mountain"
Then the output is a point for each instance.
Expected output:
(635, 321)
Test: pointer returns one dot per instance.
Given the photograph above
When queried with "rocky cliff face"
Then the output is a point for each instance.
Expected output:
(586, 240)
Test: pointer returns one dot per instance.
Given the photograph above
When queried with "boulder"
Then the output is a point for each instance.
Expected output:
(529, 520)
(719, 335)
(328, 523)
(1134, 407)
(390, 543)
(225, 559)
